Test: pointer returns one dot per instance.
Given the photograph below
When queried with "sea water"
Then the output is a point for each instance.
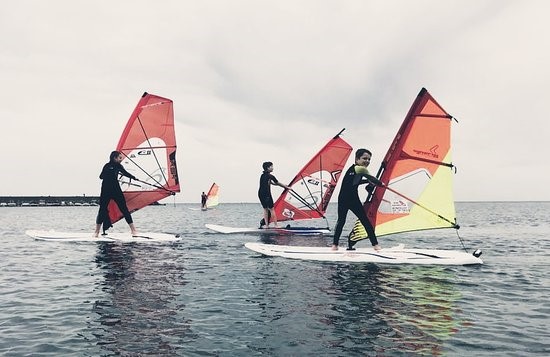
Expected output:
(210, 296)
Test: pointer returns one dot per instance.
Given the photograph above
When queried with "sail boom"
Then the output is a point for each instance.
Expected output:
(440, 163)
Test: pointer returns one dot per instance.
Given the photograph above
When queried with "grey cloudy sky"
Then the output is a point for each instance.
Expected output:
(256, 81)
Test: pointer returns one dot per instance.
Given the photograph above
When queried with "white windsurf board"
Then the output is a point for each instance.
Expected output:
(393, 255)
(145, 237)
(274, 231)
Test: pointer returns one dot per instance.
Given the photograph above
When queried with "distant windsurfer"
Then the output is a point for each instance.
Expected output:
(110, 190)
(348, 198)
(204, 197)
(264, 194)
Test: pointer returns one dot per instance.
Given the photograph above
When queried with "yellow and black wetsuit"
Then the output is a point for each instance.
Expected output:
(348, 199)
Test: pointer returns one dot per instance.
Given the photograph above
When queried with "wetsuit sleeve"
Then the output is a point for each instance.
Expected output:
(364, 177)
(126, 173)
(361, 170)
(373, 180)
(273, 178)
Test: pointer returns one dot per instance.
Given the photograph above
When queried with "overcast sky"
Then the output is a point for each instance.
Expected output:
(256, 81)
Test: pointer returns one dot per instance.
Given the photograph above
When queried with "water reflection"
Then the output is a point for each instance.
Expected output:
(385, 310)
(140, 312)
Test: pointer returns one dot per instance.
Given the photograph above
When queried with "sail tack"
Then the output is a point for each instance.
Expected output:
(313, 186)
(148, 143)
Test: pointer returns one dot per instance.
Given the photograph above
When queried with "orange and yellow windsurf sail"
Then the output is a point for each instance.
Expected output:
(417, 175)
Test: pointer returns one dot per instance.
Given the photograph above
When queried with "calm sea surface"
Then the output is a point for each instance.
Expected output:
(210, 296)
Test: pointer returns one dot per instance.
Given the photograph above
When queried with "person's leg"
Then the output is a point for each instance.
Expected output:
(266, 217)
(133, 229)
(359, 211)
(97, 228)
(273, 217)
(342, 214)
(101, 214)
(121, 203)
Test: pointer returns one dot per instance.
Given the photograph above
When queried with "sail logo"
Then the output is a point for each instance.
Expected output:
(288, 213)
(432, 152)
(313, 181)
(140, 153)
(399, 207)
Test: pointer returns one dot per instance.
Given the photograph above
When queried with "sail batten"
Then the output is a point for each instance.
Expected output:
(148, 143)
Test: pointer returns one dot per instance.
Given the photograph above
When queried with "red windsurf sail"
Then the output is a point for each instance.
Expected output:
(148, 143)
(314, 185)
(212, 199)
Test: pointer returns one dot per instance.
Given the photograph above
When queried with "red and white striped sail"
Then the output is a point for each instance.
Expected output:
(148, 143)
(314, 185)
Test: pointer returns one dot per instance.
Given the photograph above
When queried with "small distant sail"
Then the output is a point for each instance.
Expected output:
(148, 143)
(313, 186)
(417, 175)
(212, 199)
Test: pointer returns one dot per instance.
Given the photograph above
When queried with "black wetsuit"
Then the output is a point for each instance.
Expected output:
(110, 190)
(348, 199)
(204, 198)
(264, 192)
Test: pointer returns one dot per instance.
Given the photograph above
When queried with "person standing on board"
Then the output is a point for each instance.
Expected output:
(348, 198)
(110, 190)
(264, 194)
(204, 197)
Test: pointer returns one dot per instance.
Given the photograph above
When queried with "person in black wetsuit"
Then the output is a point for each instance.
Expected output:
(110, 190)
(264, 194)
(204, 198)
(348, 198)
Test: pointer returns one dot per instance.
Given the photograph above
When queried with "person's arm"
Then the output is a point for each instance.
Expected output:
(274, 181)
(373, 180)
(283, 185)
(365, 176)
(126, 173)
